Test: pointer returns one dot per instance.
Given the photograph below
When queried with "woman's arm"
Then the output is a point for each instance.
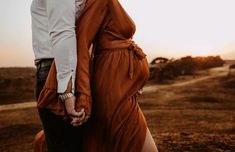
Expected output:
(88, 26)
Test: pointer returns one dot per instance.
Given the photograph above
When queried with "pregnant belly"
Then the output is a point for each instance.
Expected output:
(115, 70)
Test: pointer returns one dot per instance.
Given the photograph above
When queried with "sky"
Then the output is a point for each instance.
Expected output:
(168, 28)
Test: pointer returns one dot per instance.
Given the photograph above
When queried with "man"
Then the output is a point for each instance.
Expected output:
(54, 38)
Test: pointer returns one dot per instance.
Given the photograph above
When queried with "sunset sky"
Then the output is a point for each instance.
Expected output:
(170, 28)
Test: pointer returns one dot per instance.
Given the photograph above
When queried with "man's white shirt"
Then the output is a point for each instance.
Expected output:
(53, 36)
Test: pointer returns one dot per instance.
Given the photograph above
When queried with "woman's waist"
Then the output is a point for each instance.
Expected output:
(110, 46)
(113, 44)
(124, 45)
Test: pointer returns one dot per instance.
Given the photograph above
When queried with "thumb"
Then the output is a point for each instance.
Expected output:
(74, 113)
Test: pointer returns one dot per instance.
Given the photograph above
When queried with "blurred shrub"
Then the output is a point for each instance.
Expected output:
(164, 69)
(208, 62)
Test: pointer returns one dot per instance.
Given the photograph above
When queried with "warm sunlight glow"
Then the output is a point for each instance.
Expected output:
(167, 28)
(177, 28)
(202, 53)
(206, 51)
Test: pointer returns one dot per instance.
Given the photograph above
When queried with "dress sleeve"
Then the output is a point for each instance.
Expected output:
(88, 26)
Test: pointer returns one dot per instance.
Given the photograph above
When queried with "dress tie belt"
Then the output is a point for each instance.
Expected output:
(134, 50)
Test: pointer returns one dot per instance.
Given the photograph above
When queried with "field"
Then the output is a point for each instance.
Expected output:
(191, 114)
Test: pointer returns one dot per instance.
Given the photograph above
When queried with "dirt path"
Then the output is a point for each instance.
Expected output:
(18, 105)
(215, 72)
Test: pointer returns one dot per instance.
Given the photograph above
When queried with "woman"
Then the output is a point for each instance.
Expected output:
(118, 70)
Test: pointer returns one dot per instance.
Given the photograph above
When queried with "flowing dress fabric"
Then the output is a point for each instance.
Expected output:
(118, 70)
(117, 122)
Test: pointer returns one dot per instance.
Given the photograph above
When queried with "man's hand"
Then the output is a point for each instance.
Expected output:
(77, 117)
(79, 121)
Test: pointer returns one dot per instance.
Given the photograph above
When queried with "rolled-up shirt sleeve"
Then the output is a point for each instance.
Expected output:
(61, 24)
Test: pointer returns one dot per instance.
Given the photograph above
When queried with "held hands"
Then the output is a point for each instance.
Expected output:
(78, 117)
(78, 107)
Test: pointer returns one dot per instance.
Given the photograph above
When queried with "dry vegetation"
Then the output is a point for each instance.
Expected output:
(193, 117)
(14, 81)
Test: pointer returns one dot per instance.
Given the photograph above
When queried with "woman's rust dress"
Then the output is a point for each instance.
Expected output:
(117, 71)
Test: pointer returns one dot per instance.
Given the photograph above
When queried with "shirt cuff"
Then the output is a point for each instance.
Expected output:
(63, 83)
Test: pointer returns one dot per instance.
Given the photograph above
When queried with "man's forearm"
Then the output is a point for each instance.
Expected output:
(61, 24)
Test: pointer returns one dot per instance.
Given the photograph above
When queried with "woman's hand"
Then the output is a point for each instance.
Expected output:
(140, 91)
(83, 103)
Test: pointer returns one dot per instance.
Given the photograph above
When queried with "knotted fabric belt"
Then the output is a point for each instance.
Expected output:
(134, 50)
